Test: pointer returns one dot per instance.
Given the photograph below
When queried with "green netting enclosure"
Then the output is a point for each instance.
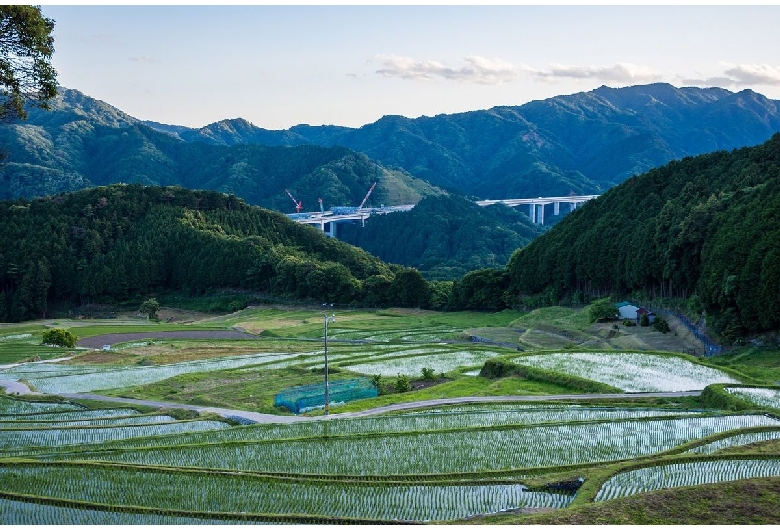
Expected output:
(299, 399)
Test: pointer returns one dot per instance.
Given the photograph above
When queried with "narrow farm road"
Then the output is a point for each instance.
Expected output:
(17, 388)
(273, 418)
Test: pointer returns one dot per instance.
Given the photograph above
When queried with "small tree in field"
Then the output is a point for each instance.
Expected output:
(150, 308)
(402, 384)
(602, 310)
(59, 337)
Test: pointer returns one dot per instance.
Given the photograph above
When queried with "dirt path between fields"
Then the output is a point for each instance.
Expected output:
(257, 417)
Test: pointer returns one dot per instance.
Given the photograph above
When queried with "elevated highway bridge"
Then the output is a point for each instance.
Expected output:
(327, 220)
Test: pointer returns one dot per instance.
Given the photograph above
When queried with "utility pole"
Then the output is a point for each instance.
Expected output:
(328, 319)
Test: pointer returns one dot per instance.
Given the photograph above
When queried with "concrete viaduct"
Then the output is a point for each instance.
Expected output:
(328, 220)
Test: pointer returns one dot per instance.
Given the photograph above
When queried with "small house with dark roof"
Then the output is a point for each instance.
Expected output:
(642, 311)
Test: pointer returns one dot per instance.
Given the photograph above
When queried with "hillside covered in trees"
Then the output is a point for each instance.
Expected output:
(110, 244)
(445, 237)
(705, 228)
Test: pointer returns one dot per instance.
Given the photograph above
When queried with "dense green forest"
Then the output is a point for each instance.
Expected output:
(111, 244)
(445, 237)
(705, 228)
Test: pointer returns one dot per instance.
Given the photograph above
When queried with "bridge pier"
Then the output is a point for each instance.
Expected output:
(328, 228)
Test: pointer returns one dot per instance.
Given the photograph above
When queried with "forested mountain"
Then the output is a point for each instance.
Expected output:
(705, 228)
(82, 142)
(445, 237)
(114, 243)
(585, 142)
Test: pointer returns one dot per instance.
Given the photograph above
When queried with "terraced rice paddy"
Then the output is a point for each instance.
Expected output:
(103, 421)
(120, 466)
(9, 407)
(763, 397)
(418, 334)
(412, 366)
(211, 492)
(371, 359)
(415, 422)
(75, 415)
(632, 372)
(43, 437)
(686, 474)
(34, 513)
(735, 441)
(75, 379)
(436, 452)
(391, 453)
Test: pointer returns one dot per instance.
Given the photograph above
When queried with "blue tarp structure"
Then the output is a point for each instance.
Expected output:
(302, 398)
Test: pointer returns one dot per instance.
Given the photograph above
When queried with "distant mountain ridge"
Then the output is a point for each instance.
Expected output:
(584, 142)
(83, 143)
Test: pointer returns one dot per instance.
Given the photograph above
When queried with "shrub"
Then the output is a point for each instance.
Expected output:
(402, 384)
(428, 375)
(59, 337)
(661, 325)
(644, 321)
(629, 323)
(377, 380)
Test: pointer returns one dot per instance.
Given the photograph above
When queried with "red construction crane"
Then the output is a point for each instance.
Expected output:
(367, 194)
(298, 204)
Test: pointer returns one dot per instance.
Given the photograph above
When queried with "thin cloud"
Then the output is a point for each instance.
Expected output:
(477, 70)
(754, 74)
(497, 71)
(741, 75)
(618, 73)
(145, 60)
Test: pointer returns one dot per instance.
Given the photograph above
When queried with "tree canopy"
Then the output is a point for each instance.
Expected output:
(123, 242)
(26, 73)
(703, 228)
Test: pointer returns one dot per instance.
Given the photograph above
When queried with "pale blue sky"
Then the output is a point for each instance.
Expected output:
(280, 66)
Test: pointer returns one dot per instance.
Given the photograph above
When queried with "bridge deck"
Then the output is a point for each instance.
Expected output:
(361, 214)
